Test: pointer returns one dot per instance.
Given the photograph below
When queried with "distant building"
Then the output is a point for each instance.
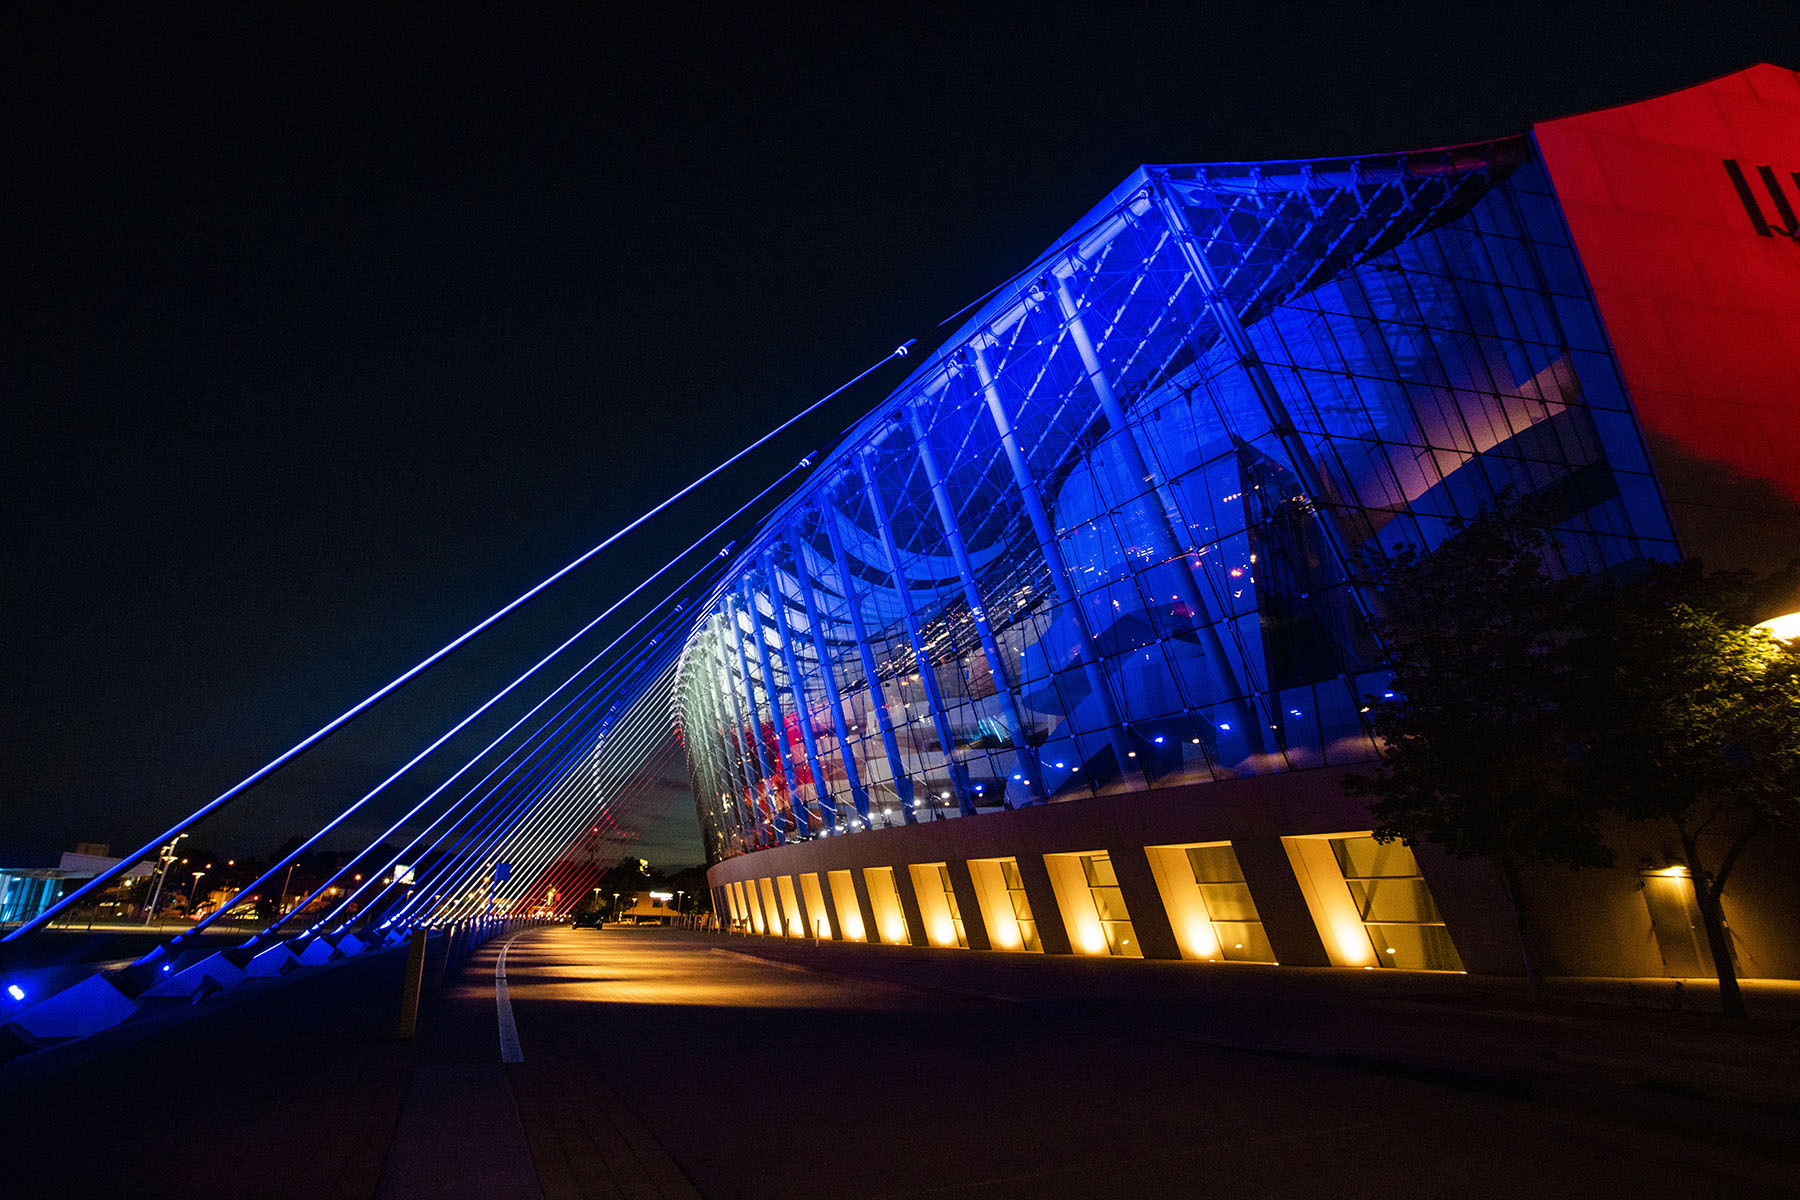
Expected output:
(649, 908)
(1057, 650)
(27, 891)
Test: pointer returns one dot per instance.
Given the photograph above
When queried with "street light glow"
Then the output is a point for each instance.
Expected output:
(1785, 628)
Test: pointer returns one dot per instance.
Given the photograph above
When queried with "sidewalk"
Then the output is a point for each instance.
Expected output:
(276, 1089)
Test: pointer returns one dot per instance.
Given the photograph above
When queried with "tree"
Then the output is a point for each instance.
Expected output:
(624, 880)
(1475, 735)
(1692, 716)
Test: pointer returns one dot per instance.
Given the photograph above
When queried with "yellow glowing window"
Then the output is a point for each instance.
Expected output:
(937, 905)
(1394, 904)
(884, 899)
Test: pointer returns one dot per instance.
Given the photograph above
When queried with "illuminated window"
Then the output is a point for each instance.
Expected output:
(843, 895)
(1675, 921)
(818, 924)
(1021, 905)
(1209, 904)
(1093, 906)
(752, 904)
(1005, 909)
(884, 898)
(937, 904)
(1394, 904)
(771, 913)
(1109, 905)
(790, 907)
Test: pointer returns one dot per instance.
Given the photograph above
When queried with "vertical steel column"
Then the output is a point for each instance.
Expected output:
(984, 633)
(722, 682)
(797, 691)
(762, 751)
(748, 826)
(1172, 546)
(839, 726)
(1051, 549)
(959, 778)
(784, 753)
(859, 630)
(1281, 422)
(722, 785)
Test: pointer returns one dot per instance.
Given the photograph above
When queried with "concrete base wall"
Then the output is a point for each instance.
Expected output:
(1591, 922)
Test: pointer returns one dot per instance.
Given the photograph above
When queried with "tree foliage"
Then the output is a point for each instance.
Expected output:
(1692, 716)
(1525, 705)
(1475, 733)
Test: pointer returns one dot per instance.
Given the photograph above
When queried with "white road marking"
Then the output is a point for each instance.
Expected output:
(509, 1030)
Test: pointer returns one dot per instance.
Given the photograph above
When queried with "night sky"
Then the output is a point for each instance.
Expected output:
(333, 328)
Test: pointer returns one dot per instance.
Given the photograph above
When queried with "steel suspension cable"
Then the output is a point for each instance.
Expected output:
(375, 697)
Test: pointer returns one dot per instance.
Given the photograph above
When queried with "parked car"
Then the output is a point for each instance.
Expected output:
(588, 920)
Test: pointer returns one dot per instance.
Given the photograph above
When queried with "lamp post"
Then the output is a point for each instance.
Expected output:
(167, 857)
(192, 889)
(281, 904)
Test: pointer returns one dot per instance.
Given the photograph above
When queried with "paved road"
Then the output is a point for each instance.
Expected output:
(772, 1079)
(669, 1065)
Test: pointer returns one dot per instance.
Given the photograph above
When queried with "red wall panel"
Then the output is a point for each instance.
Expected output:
(1702, 308)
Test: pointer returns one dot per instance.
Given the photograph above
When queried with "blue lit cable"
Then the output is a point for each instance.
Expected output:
(349, 714)
(554, 726)
(536, 844)
(410, 813)
(500, 826)
(679, 589)
(485, 830)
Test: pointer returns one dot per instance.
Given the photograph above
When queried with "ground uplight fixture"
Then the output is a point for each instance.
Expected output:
(15, 991)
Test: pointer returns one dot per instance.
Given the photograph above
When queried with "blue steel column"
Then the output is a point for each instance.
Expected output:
(839, 726)
(784, 754)
(859, 630)
(762, 751)
(1163, 534)
(719, 674)
(1051, 549)
(959, 778)
(797, 691)
(940, 497)
(1231, 327)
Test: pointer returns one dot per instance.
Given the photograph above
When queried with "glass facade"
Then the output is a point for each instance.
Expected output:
(1105, 540)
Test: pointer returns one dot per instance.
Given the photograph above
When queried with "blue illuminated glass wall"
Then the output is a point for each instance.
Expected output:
(1104, 540)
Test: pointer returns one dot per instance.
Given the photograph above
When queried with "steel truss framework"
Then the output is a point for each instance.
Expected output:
(1107, 538)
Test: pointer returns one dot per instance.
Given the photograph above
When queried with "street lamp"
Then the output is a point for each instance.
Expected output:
(192, 889)
(167, 857)
(281, 905)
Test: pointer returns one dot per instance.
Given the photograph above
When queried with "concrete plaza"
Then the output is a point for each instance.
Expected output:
(670, 1064)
